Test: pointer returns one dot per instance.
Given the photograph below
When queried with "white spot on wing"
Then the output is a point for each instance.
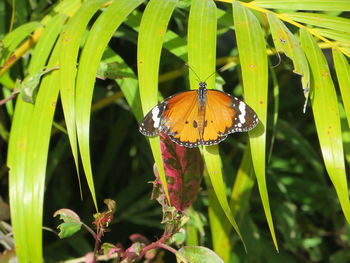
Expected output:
(241, 116)
(155, 118)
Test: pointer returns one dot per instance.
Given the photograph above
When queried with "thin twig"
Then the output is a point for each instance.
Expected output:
(11, 97)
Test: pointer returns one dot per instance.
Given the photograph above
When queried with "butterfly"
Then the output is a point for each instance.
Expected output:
(199, 117)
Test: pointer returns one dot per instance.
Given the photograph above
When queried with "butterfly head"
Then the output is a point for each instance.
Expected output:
(202, 85)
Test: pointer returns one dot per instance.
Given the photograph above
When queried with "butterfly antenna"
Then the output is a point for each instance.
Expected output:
(216, 71)
(194, 72)
(211, 75)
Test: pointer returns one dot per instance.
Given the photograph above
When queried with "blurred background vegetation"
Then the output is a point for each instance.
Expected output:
(310, 225)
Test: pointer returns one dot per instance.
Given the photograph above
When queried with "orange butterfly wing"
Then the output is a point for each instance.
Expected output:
(225, 114)
(179, 118)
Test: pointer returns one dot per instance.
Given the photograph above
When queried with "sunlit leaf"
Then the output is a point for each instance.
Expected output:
(342, 68)
(324, 5)
(153, 26)
(343, 38)
(27, 153)
(321, 20)
(287, 43)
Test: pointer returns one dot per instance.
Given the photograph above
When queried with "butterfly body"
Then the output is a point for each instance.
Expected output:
(199, 117)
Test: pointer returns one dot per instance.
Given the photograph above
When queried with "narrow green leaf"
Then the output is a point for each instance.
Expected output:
(314, 5)
(99, 36)
(17, 178)
(23, 188)
(343, 38)
(39, 131)
(287, 43)
(321, 20)
(70, 41)
(342, 68)
(202, 59)
(326, 114)
(253, 59)
(153, 26)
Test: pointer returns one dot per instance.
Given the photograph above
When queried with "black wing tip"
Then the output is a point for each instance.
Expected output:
(147, 132)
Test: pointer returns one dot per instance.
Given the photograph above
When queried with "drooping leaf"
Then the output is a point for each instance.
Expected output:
(326, 115)
(98, 38)
(253, 58)
(287, 43)
(153, 26)
(28, 148)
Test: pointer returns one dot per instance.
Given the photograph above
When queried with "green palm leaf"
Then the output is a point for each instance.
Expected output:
(101, 32)
(326, 114)
(152, 30)
(253, 60)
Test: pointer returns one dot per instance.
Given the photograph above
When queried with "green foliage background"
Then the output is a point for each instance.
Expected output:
(290, 153)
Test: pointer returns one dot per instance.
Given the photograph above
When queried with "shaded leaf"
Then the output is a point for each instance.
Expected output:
(71, 222)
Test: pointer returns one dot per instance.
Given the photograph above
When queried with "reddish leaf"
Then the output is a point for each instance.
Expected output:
(183, 168)
(139, 238)
(103, 219)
